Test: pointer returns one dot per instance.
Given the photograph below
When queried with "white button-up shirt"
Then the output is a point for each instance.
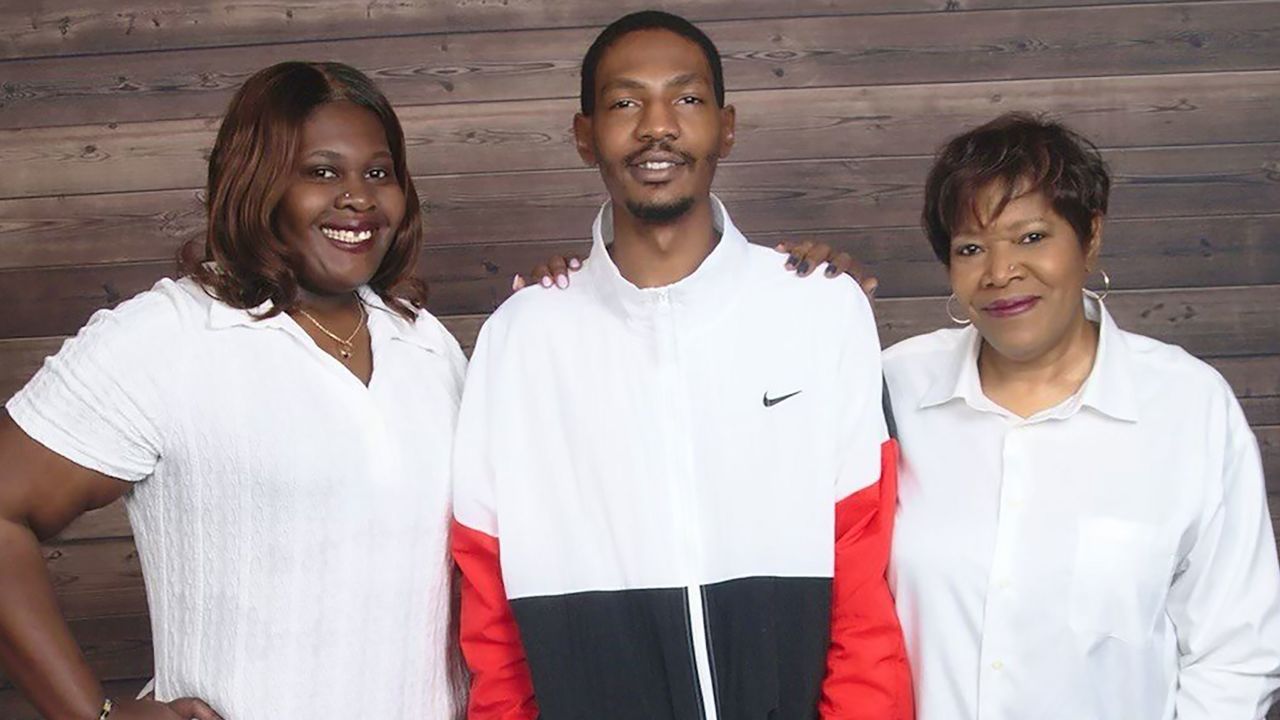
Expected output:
(291, 521)
(1110, 558)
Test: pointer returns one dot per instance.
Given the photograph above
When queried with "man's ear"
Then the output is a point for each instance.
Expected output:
(582, 138)
(728, 126)
(1094, 249)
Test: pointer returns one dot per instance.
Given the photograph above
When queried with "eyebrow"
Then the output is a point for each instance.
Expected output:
(335, 156)
(960, 234)
(626, 83)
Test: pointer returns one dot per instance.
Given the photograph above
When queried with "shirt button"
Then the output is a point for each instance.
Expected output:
(997, 666)
(1004, 583)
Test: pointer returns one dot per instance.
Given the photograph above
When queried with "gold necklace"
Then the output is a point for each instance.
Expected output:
(344, 346)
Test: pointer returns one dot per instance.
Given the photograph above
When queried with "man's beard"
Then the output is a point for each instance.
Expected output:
(660, 213)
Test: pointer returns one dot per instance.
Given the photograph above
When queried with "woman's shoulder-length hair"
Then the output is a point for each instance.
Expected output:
(244, 261)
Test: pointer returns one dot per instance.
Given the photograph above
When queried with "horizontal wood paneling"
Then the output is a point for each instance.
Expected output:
(1207, 322)
(68, 27)
(117, 647)
(758, 54)
(105, 125)
(773, 125)
(841, 199)
(1256, 381)
(96, 577)
(1269, 443)
(1138, 254)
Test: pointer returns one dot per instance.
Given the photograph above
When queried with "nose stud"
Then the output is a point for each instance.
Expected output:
(347, 196)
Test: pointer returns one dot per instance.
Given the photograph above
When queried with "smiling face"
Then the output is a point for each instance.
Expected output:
(656, 131)
(1019, 275)
(343, 203)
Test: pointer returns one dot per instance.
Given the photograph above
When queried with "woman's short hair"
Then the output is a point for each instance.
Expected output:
(249, 169)
(1016, 153)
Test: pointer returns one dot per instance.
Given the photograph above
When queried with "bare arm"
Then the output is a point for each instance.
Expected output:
(41, 492)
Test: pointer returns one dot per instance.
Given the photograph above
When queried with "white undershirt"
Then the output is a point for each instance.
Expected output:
(291, 522)
(1111, 558)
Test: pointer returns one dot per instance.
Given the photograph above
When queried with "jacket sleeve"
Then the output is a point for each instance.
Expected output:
(1225, 599)
(867, 672)
(501, 688)
(867, 675)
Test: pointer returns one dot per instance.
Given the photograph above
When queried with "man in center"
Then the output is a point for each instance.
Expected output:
(639, 536)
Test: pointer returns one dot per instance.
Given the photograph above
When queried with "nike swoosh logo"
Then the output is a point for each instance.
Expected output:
(770, 402)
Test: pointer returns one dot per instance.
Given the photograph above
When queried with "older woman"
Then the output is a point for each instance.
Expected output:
(1082, 529)
(279, 422)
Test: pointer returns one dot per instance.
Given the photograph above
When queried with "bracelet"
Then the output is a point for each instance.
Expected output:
(107, 707)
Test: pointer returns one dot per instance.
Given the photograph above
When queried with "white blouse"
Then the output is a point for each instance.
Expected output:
(291, 522)
(1110, 558)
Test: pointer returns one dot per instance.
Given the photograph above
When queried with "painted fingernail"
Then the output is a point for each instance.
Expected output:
(792, 261)
(562, 282)
(545, 281)
(831, 270)
(575, 263)
(803, 267)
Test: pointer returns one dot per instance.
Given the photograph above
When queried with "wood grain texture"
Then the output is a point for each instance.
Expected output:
(1256, 382)
(758, 54)
(107, 110)
(117, 647)
(1138, 253)
(857, 198)
(797, 196)
(68, 27)
(776, 125)
(1269, 443)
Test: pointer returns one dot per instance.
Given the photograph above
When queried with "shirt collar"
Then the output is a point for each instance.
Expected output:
(702, 294)
(1108, 389)
(383, 321)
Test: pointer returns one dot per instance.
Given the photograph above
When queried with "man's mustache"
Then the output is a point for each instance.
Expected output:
(660, 146)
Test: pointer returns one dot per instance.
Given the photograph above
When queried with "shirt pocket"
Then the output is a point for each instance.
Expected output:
(1120, 579)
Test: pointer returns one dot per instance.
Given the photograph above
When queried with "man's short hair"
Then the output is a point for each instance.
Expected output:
(1016, 153)
(646, 20)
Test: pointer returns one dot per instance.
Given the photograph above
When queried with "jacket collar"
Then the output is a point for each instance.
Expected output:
(701, 295)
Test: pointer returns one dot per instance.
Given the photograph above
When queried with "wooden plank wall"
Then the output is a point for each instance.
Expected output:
(108, 108)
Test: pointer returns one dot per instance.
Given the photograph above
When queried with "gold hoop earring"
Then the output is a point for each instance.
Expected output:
(1106, 286)
(954, 319)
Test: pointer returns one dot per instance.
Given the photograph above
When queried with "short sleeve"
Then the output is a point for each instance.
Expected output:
(98, 402)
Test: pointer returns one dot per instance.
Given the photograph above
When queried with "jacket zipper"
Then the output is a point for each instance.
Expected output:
(686, 507)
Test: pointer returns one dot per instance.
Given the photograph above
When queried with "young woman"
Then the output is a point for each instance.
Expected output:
(1082, 528)
(279, 422)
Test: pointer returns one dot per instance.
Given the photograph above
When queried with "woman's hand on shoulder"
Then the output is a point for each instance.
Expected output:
(802, 258)
(184, 708)
(554, 272)
(805, 257)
